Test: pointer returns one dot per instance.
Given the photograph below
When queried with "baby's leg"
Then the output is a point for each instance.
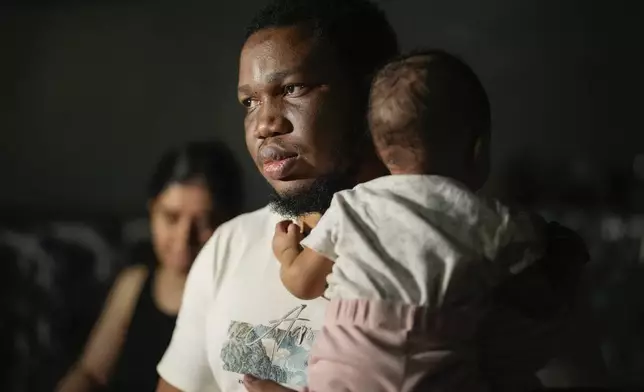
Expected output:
(379, 346)
(360, 348)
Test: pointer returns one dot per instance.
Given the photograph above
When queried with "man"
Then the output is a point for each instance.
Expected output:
(304, 78)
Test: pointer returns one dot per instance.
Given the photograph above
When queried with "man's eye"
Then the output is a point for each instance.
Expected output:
(248, 102)
(294, 89)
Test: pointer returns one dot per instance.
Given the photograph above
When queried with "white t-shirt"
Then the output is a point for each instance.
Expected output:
(236, 317)
(405, 237)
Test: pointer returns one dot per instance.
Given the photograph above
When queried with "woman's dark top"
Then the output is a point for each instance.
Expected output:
(147, 338)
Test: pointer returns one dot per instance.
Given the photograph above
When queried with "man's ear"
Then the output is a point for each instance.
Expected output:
(477, 147)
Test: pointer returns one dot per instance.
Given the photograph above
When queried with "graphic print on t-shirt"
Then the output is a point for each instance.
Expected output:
(278, 351)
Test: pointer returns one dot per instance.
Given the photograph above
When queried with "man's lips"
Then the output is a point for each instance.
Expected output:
(276, 162)
(278, 170)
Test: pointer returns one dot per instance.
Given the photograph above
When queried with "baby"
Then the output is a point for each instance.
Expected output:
(409, 261)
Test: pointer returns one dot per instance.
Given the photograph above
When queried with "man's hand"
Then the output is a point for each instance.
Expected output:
(286, 242)
(253, 384)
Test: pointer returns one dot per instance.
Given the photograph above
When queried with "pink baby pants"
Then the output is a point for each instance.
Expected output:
(380, 346)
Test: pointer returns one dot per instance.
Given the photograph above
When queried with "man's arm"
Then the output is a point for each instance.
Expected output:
(184, 366)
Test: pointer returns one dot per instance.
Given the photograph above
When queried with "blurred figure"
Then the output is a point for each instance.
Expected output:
(193, 190)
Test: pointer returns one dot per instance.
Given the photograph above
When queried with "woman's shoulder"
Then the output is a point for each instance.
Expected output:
(133, 275)
(128, 284)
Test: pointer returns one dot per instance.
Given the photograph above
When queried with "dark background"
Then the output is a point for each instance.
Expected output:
(94, 92)
(91, 93)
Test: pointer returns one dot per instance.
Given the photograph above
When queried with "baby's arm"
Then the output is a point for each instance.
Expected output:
(303, 271)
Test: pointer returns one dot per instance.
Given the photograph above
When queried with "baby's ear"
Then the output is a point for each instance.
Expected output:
(481, 161)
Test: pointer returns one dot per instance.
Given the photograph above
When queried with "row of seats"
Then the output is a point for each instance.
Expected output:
(56, 275)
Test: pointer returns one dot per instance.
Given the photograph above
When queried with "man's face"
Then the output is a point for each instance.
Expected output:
(302, 113)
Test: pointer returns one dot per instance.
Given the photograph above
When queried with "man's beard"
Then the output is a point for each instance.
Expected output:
(314, 198)
(317, 196)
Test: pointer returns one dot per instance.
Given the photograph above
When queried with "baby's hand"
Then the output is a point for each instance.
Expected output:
(286, 241)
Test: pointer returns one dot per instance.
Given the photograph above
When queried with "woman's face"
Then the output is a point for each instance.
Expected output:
(181, 222)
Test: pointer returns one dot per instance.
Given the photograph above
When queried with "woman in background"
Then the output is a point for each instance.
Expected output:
(193, 190)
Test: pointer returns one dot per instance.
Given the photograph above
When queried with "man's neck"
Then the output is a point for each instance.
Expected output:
(370, 170)
(308, 222)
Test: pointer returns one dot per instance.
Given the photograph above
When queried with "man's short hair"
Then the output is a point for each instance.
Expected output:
(428, 85)
(357, 30)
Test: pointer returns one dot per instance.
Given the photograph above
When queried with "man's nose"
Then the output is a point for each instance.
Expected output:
(271, 121)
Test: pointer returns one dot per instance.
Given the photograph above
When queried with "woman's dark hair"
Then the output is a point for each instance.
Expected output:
(213, 164)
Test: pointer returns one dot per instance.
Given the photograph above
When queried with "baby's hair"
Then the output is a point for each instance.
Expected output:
(427, 97)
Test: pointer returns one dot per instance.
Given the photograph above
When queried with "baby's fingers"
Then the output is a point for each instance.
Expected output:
(289, 229)
(282, 227)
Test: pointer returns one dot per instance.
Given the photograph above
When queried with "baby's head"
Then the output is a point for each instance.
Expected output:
(429, 114)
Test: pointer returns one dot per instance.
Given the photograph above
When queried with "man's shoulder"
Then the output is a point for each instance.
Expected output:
(251, 226)
(248, 232)
(253, 221)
